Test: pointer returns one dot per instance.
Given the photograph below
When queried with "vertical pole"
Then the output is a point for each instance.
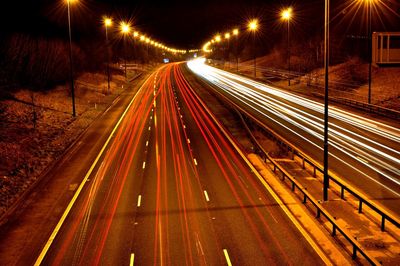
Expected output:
(134, 51)
(125, 55)
(288, 47)
(229, 63)
(70, 62)
(147, 48)
(326, 66)
(108, 61)
(237, 53)
(254, 51)
(369, 51)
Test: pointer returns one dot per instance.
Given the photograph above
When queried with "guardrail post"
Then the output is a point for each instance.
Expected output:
(304, 199)
(303, 165)
(318, 213)
(315, 172)
(342, 192)
(383, 224)
(333, 230)
(354, 256)
(293, 186)
(274, 168)
(360, 207)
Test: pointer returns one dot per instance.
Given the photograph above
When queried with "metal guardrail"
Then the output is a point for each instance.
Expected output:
(368, 107)
(371, 108)
(361, 198)
(385, 216)
(136, 76)
(316, 79)
(356, 246)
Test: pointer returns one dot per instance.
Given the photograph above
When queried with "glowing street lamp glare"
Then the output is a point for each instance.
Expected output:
(125, 28)
(227, 35)
(107, 22)
(235, 32)
(253, 25)
(286, 14)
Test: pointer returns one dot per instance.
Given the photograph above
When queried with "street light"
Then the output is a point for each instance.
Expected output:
(107, 24)
(368, 4)
(125, 28)
(147, 40)
(135, 36)
(287, 15)
(253, 26)
(70, 57)
(326, 100)
(235, 32)
(227, 37)
(217, 39)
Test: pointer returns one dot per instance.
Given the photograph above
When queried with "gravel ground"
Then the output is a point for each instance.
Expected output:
(32, 136)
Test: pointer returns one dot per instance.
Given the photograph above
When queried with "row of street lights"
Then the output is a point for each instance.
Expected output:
(126, 30)
(287, 15)
(253, 26)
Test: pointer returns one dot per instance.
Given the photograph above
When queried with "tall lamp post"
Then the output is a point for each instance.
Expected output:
(107, 24)
(70, 57)
(147, 49)
(368, 4)
(287, 15)
(326, 100)
(227, 37)
(253, 26)
(217, 40)
(235, 32)
(125, 29)
(135, 36)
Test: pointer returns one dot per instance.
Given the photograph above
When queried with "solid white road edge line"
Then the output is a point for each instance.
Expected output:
(228, 260)
(206, 195)
(132, 259)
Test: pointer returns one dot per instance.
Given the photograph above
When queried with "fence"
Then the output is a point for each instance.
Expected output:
(356, 246)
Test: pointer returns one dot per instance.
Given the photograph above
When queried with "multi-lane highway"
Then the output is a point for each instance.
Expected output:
(169, 189)
(364, 152)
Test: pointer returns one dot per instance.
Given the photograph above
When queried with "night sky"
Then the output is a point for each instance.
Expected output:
(183, 24)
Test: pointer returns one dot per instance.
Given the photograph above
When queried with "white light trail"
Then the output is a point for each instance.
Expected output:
(371, 143)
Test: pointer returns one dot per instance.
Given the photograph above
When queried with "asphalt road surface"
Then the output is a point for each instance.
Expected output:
(364, 152)
(169, 189)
